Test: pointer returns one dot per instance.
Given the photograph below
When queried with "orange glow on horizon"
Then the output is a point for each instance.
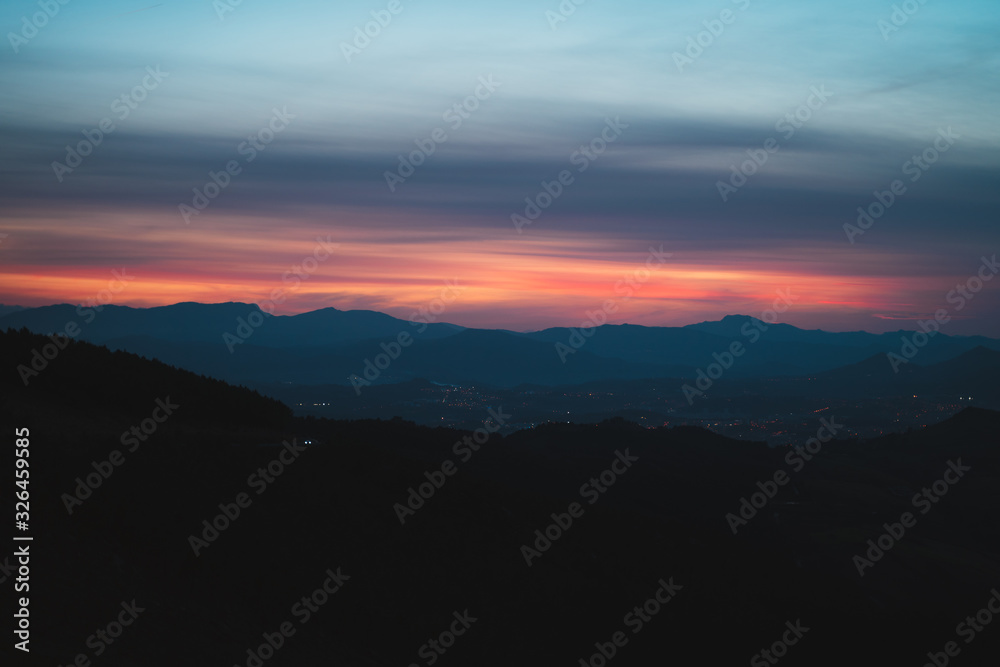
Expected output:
(507, 280)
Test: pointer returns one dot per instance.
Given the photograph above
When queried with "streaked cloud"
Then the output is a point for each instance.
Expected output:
(657, 184)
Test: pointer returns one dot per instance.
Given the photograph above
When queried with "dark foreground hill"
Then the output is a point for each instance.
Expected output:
(66, 377)
(650, 519)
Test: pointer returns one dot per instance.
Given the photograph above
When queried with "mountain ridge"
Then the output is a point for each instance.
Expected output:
(239, 342)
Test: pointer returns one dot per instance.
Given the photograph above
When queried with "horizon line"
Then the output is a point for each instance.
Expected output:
(526, 331)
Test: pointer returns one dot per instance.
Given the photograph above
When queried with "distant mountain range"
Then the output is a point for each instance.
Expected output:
(237, 342)
(5, 310)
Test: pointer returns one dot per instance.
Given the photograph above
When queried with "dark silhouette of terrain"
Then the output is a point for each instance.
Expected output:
(664, 517)
(330, 346)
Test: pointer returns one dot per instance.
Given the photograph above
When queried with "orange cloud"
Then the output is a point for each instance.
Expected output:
(507, 280)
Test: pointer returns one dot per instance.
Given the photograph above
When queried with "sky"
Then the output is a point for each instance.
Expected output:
(739, 137)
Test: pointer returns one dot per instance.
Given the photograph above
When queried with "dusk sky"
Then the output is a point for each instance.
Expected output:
(332, 113)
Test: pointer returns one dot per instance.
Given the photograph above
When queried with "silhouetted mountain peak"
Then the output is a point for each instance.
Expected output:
(733, 326)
